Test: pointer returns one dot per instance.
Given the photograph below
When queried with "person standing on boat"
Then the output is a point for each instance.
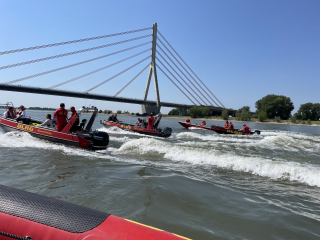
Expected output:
(226, 125)
(76, 124)
(188, 121)
(151, 121)
(21, 115)
(61, 114)
(231, 126)
(10, 113)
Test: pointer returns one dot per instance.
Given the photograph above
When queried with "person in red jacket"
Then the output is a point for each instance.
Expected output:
(188, 120)
(245, 128)
(226, 125)
(151, 121)
(76, 124)
(203, 124)
(61, 115)
(231, 126)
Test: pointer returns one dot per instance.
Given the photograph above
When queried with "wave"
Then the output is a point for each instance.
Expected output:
(207, 158)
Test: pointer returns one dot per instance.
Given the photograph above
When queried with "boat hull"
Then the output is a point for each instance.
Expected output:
(165, 133)
(219, 130)
(81, 141)
(188, 125)
(38, 217)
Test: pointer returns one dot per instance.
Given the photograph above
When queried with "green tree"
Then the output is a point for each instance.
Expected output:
(245, 116)
(119, 112)
(174, 111)
(262, 116)
(293, 119)
(225, 115)
(205, 112)
(309, 111)
(195, 112)
(100, 111)
(275, 105)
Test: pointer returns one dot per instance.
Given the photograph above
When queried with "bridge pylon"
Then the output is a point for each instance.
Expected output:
(146, 108)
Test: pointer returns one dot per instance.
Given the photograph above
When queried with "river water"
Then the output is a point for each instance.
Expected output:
(196, 183)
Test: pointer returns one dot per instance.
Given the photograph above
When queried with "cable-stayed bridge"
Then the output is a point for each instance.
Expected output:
(163, 58)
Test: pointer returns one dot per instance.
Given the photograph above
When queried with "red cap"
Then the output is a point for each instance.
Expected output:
(244, 125)
(72, 107)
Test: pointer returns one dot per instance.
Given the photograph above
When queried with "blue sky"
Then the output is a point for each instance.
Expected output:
(242, 50)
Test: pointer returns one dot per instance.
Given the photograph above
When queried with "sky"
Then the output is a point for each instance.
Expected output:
(242, 50)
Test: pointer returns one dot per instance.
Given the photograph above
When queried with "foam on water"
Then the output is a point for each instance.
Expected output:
(25, 140)
(207, 158)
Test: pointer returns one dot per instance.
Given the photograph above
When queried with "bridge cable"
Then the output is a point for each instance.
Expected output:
(174, 83)
(97, 70)
(75, 64)
(89, 90)
(182, 72)
(131, 80)
(74, 41)
(71, 53)
(192, 72)
(180, 76)
(178, 81)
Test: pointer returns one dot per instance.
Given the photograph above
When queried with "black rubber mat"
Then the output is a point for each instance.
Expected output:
(49, 211)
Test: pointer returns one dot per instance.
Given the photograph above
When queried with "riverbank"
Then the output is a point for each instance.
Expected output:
(253, 120)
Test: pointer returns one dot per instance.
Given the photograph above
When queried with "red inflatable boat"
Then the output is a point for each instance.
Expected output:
(85, 138)
(29, 216)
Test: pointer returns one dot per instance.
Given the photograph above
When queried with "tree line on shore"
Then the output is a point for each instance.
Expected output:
(272, 106)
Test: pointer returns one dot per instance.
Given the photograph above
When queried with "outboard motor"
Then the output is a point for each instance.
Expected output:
(257, 132)
(99, 140)
(82, 124)
(167, 131)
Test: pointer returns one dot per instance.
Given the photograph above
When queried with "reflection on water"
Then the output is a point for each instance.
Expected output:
(196, 183)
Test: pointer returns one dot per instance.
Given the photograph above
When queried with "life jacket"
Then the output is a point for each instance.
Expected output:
(231, 126)
(246, 129)
(188, 120)
(77, 120)
(151, 121)
(19, 112)
(226, 125)
(10, 114)
(61, 114)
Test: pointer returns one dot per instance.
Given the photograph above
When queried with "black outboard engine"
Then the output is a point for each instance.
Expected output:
(166, 131)
(257, 132)
(99, 140)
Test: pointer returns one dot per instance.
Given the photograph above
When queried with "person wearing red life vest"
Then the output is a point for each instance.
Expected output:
(151, 121)
(76, 124)
(61, 114)
(203, 124)
(188, 120)
(245, 128)
(10, 113)
(226, 125)
(231, 126)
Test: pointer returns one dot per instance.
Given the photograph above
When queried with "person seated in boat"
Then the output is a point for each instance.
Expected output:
(113, 118)
(76, 124)
(226, 125)
(203, 124)
(188, 120)
(48, 122)
(21, 115)
(230, 126)
(245, 129)
(10, 113)
(61, 114)
(138, 124)
(151, 121)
